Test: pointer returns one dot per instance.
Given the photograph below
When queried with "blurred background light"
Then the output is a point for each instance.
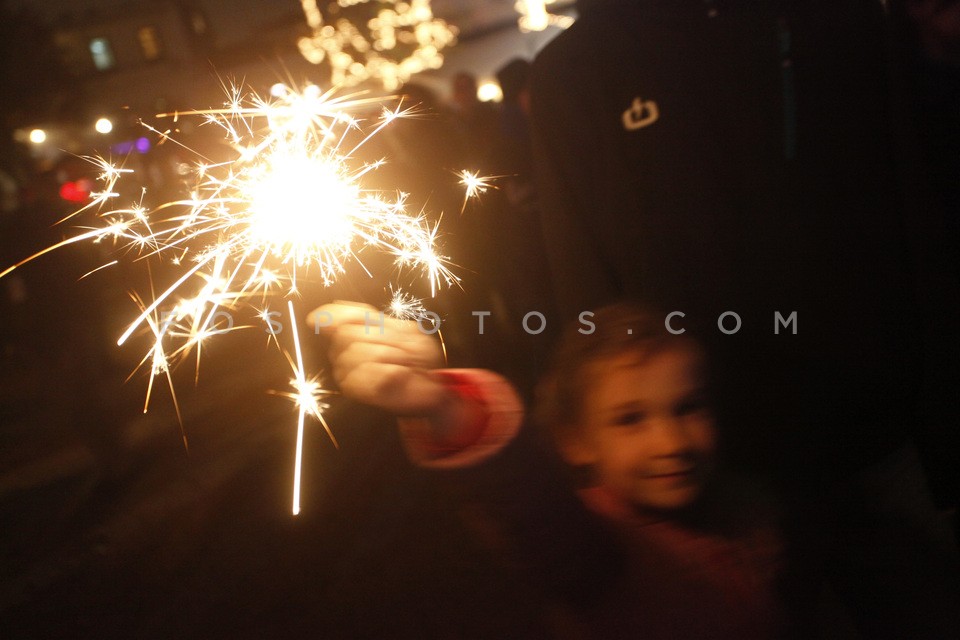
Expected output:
(489, 91)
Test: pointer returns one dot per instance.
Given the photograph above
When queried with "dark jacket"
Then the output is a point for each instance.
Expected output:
(736, 156)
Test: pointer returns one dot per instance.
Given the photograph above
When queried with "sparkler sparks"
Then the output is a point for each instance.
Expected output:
(474, 185)
(404, 306)
(291, 204)
(293, 200)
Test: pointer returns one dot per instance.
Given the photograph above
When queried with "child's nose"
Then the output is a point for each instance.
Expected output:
(674, 437)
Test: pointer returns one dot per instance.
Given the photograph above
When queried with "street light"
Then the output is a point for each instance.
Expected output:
(38, 136)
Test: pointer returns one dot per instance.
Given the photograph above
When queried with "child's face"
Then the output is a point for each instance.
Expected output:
(647, 430)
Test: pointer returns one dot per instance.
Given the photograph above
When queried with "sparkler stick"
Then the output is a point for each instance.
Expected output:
(307, 397)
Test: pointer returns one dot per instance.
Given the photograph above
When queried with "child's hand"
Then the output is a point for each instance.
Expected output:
(388, 369)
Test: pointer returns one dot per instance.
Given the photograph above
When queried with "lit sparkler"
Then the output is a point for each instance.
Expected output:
(291, 204)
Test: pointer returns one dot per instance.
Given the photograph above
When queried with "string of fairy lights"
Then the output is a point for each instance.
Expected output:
(392, 40)
(402, 38)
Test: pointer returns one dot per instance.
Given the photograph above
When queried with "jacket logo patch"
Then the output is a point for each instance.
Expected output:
(642, 113)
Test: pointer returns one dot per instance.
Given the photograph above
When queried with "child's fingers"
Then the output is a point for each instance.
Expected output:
(349, 323)
(358, 354)
(419, 347)
(398, 389)
(331, 317)
(380, 360)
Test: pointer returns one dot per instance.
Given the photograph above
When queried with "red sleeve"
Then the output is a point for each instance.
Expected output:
(470, 443)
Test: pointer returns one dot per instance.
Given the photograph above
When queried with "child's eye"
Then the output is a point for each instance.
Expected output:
(629, 418)
(689, 406)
